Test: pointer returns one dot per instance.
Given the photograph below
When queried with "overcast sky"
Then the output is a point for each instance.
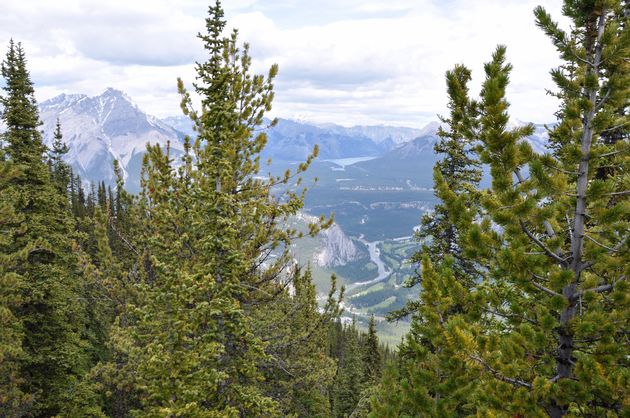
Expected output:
(343, 61)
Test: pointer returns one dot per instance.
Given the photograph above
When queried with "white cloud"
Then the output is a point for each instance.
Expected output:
(345, 61)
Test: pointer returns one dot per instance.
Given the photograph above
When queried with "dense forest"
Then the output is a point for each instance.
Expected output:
(185, 299)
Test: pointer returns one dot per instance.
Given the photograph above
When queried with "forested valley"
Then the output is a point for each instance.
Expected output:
(185, 300)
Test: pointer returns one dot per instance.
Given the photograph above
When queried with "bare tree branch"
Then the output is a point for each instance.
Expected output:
(614, 249)
(546, 290)
(600, 289)
(496, 374)
(538, 242)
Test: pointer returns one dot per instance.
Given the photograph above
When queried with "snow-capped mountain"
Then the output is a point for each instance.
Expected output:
(422, 145)
(383, 133)
(103, 128)
(294, 140)
(108, 127)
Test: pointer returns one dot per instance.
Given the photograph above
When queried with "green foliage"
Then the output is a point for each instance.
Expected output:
(12, 400)
(298, 369)
(541, 330)
(372, 355)
(212, 268)
(47, 353)
(60, 171)
(348, 383)
(431, 380)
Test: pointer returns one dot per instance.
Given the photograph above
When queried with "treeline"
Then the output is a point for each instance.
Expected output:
(524, 307)
(181, 301)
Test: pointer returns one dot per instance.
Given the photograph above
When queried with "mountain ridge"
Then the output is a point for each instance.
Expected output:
(110, 126)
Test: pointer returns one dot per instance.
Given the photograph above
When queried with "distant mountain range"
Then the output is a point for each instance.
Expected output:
(111, 126)
(103, 128)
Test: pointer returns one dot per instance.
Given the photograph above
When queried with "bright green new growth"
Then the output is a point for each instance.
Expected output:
(542, 328)
(213, 264)
(431, 380)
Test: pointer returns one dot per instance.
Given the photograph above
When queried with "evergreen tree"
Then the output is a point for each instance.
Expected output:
(560, 267)
(561, 273)
(456, 177)
(432, 381)
(187, 339)
(348, 384)
(543, 329)
(557, 261)
(61, 172)
(40, 254)
(372, 355)
(299, 369)
(13, 401)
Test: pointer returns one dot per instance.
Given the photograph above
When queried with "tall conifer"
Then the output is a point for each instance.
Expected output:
(212, 250)
(49, 313)
(61, 172)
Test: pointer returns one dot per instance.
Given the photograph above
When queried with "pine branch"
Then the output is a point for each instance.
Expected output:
(496, 374)
(624, 193)
(538, 242)
(123, 239)
(614, 249)
(611, 153)
(600, 289)
(546, 290)
(602, 101)
(511, 316)
(549, 229)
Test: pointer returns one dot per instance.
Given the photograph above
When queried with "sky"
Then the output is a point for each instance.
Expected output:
(350, 62)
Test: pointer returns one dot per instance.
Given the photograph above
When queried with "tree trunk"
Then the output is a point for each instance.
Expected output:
(564, 359)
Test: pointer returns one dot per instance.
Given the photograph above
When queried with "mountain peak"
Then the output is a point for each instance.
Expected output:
(430, 128)
(103, 128)
(111, 92)
(62, 101)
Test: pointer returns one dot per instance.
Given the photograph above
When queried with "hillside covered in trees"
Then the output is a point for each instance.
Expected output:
(185, 300)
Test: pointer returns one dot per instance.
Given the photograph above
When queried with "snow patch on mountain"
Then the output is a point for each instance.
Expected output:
(104, 128)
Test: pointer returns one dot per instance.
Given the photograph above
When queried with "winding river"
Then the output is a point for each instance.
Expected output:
(375, 257)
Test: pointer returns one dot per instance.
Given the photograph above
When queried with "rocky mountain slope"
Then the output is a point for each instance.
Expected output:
(337, 248)
(110, 126)
(103, 128)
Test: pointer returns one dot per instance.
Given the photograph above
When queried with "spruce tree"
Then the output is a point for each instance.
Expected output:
(13, 401)
(372, 358)
(431, 380)
(348, 383)
(456, 177)
(49, 313)
(61, 172)
(299, 369)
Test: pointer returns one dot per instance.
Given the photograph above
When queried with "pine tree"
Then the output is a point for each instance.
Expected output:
(188, 339)
(558, 276)
(456, 177)
(299, 368)
(40, 253)
(13, 401)
(542, 332)
(556, 282)
(432, 381)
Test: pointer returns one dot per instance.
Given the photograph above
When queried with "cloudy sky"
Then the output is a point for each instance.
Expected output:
(343, 61)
